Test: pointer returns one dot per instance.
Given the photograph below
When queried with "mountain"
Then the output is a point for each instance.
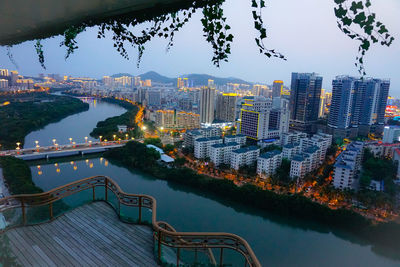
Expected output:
(155, 77)
(194, 79)
(121, 74)
(202, 79)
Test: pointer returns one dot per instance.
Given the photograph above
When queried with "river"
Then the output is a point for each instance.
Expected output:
(77, 126)
(276, 241)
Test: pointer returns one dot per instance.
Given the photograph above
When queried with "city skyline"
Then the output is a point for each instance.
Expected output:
(245, 62)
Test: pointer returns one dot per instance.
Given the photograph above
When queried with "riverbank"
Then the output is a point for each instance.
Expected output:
(385, 236)
(109, 127)
(25, 114)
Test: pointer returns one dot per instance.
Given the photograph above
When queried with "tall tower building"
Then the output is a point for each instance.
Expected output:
(255, 117)
(211, 83)
(358, 103)
(225, 108)
(207, 99)
(277, 88)
(304, 101)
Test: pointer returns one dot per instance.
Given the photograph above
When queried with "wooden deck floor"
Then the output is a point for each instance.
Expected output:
(91, 235)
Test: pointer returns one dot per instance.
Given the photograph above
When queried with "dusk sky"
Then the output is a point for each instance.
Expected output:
(304, 31)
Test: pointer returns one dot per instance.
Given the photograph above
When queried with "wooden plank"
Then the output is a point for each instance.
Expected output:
(100, 238)
(97, 245)
(63, 258)
(18, 252)
(147, 236)
(94, 245)
(91, 235)
(28, 251)
(43, 255)
(116, 241)
(131, 248)
(75, 243)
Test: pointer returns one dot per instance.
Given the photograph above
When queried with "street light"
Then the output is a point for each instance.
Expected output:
(54, 141)
(70, 140)
(36, 142)
(100, 138)
(18, 148)
(144, 128)
(126, 135)
(90, 143)
(86, 138)
(114, 136)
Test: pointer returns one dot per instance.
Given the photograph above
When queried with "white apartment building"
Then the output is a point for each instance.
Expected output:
(267, 163)
(202, 146)
(289, 150)
(292, 138)
(244, 156)
(391, 134)
(239, 138)
(221, 153)
(314, 153)
(191, 136)
(347, 166)
(300, 165)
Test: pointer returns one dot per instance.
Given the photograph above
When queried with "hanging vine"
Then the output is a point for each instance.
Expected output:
(39, 52)
(257, 6)
(69, 39)
(356, 20)
(215, 30)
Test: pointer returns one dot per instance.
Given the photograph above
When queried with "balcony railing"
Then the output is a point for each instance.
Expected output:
(171, 247)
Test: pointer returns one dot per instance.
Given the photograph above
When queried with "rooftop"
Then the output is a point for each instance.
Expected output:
(246, 149)
(206, 139)
(270, 154)
(225, 145)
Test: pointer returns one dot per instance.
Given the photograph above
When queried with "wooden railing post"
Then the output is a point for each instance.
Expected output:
(177, 256)
(221, 257)
(23, 211)
(140, 209)
(159, 246)
(94, 193)
(51, 210)
(106, 188)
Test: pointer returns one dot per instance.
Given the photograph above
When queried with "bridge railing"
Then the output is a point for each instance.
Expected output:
(171, 248)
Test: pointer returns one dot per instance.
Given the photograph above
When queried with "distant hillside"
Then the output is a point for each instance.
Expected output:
(121, 74)
(194, 79)
(202, 79)
(155, 77)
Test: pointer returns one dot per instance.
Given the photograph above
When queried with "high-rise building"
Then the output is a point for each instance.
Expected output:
(254, 117)
(14, 78)
(137, 81)
(277, 88)
(225, 108)
(3, 84)
(108, 81)
(207, 99)
(322, 104)
(180, 83)
(185, 82)
(4, 72)
(154, 98)
(211, 83)
(358, 104)
(304, 101)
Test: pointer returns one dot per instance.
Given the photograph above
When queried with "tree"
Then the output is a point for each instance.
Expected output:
(169, 148)
(153, 141)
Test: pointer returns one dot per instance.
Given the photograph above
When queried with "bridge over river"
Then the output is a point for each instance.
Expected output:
(58, 151)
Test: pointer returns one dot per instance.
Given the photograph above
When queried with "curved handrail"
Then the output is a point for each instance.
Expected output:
(164, 233)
